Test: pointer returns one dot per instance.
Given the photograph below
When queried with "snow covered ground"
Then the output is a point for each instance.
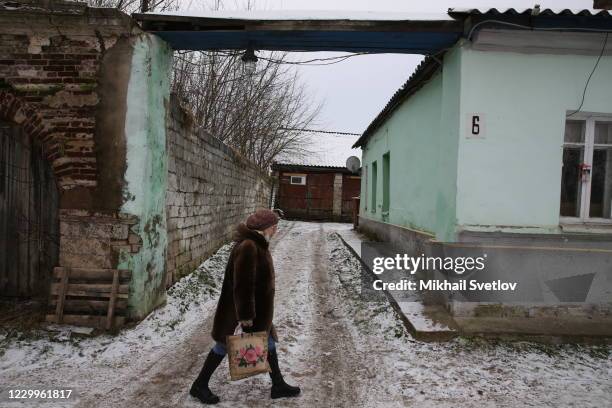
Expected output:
(53, 359)
(341, 350)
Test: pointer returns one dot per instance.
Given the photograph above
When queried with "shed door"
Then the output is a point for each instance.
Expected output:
(320, 195)
(351, 187)
(28, 216)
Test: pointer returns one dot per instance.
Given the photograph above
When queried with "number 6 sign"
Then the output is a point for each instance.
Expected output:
(475, 126)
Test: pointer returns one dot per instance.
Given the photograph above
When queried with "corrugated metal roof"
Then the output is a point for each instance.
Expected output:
(308, 167)
(549, 19)
(457, 12)
(324, 150)
(423, 72)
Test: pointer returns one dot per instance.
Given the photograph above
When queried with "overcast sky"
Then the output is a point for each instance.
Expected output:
(354, 91)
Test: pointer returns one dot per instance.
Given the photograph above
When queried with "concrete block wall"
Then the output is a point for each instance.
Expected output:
(211, 189)
(94, 239)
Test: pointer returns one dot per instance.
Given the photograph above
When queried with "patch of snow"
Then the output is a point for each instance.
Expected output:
(353, 239)
(42, 351)
(341, 349)
(415, 312)
(466, 372)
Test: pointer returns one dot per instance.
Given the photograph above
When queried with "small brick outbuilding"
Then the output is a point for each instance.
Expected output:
(310, 192)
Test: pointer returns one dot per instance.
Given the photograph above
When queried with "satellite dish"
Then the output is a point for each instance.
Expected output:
(353, 164)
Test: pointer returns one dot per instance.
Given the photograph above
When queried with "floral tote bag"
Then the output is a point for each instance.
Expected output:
(247, 354)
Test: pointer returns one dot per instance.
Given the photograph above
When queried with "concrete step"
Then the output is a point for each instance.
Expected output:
(425, 322)
(429, 322)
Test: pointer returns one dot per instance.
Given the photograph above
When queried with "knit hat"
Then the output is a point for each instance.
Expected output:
(262, 219)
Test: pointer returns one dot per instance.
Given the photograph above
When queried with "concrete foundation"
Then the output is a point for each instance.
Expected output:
(564, 282)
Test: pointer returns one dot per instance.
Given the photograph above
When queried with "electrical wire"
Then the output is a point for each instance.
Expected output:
(582, 29)
(335, 60)
(586, 85)
(310, 62)
(322, 131)
(506, 23)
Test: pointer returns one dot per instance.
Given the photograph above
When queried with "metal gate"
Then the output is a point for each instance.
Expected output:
(28, 216)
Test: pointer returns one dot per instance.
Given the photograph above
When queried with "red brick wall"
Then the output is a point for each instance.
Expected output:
(48, 84)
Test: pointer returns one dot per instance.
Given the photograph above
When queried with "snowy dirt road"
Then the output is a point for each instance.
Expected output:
(342, 351)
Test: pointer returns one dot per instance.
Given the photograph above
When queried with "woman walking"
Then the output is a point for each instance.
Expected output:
(247, 297)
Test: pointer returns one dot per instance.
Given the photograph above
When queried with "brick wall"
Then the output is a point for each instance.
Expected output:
(210, 190)
(49, 64)
(65, 72)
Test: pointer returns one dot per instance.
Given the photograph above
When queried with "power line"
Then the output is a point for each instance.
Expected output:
(310, 62)
(334, 60)
(322, 131)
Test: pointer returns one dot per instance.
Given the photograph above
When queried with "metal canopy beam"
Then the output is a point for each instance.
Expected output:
(375, 36)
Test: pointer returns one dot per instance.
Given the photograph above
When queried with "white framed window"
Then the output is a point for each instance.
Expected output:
(297, 180)
(586, 178)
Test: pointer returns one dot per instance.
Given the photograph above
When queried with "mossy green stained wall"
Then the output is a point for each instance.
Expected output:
(146, 175)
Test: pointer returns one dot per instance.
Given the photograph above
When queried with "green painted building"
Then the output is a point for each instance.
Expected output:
(497, 146)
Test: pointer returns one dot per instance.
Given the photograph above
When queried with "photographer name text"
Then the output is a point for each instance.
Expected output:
(442, 285)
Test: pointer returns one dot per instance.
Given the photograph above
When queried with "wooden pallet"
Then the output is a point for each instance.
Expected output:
(89, 297)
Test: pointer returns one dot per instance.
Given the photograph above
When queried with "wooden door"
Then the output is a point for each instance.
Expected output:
(28, 216)
(320, 196)
(351, 187)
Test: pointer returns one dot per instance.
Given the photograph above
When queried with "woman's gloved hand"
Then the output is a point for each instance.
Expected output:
(246, 325)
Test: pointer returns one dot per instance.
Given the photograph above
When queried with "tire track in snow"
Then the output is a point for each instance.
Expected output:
(164, 380)
(316, 349)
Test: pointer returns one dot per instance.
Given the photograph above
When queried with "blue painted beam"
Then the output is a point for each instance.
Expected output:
(349, 41)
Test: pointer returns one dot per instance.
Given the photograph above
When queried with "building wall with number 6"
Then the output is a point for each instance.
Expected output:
(509, 176)
(479, 146)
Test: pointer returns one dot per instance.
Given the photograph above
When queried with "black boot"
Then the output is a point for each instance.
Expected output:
(199, 388)
(280, 388)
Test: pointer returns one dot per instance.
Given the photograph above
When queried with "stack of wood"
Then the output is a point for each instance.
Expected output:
(89, 297)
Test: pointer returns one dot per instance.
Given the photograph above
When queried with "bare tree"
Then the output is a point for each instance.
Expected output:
(131, 6)
(259, 115)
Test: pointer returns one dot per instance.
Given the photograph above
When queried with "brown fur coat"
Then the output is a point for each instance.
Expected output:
(248, 286)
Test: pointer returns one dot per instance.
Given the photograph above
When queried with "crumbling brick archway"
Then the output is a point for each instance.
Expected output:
(29, 203)
(14, 109)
